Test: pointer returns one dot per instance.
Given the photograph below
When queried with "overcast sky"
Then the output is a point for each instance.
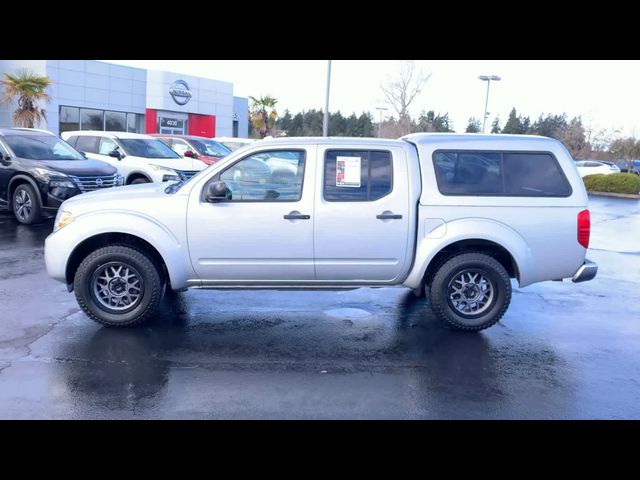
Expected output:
(606, 93)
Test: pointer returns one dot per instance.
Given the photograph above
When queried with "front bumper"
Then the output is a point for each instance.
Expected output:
(57, 250)
(586, 272)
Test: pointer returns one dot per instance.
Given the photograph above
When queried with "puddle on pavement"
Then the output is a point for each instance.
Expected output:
(348, 313)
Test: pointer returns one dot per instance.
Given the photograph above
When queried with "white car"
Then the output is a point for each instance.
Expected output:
(590, 167)
(138, 158)
(452, 216)
(234, 143)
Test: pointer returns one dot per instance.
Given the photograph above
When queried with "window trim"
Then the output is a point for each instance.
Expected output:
(216, 177)
(368, 150)
(501, 153)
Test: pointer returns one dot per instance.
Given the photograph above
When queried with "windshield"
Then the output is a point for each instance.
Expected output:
(147, 148)
(42, 147)
(210, 148)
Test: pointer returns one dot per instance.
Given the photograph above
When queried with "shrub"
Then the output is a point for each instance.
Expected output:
(615, 183)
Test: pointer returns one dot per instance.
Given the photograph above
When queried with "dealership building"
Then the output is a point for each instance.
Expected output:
(93, 95)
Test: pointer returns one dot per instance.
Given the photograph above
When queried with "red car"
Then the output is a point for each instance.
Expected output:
(202, 148)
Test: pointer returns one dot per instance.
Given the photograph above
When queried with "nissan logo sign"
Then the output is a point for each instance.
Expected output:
(99, 182)
(180, 92)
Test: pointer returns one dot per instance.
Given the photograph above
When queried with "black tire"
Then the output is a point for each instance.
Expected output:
(27, 215)
(140, 180)
(443, 307)
(141, 265)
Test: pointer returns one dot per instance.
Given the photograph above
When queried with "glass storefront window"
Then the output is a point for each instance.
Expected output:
(135, 123)
(115, 121)
(91, 119)
(69, 119)
(76, 118)
(131, 122)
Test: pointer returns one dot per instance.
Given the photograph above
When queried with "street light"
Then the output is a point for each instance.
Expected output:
(487, 78)
(325, 120)
(380, 123)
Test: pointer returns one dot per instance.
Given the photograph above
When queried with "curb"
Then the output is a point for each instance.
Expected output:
(616, 195)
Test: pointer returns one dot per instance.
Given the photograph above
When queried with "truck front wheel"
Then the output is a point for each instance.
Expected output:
(470, 291)
(118, 286)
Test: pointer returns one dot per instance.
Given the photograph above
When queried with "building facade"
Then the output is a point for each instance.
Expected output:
(93, 95)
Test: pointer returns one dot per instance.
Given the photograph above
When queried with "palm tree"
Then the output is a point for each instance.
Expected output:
(263, 114)
(28, 88)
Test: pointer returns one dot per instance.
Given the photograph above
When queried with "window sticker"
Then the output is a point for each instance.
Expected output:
(348, 172)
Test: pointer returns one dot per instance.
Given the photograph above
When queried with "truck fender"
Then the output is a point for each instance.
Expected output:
(448, 233)
(174, 253)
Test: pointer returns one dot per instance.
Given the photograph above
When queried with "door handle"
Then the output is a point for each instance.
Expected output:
(388, 216)
(295, 215)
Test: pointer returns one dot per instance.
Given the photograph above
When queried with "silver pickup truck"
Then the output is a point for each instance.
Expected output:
(453, 216)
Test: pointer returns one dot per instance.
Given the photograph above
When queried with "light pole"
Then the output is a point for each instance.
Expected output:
(382, 109)
(487, 78)
(325, 121)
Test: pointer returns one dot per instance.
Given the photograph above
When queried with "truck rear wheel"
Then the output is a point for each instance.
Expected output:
(470, 291)
(118, 286)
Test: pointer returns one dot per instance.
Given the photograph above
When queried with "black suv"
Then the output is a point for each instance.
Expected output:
(39, 171)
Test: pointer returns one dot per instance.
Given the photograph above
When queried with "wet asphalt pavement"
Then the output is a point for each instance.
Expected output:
(562, 350)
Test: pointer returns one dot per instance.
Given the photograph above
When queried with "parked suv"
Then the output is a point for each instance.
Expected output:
(623, 165)
(191, 146)
(39, 171)
(453, 216)
(138, 158)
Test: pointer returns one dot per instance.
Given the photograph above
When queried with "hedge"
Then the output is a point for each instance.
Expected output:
(615, 183)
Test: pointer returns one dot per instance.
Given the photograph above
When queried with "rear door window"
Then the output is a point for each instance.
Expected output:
(357, 175)
(86, 143)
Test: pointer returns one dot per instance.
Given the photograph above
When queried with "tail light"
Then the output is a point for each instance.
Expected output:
(584, 228)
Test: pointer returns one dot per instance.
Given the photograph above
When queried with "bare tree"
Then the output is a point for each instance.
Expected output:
(626, 149)
(402, 89)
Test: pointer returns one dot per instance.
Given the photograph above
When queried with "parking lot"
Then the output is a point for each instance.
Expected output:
(562, 350)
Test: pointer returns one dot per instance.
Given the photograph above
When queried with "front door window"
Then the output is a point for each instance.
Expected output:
(274, 176)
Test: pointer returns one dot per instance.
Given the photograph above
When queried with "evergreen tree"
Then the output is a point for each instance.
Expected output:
(297, 125)
(473, 126)
(514, 123)
(351, 127)
(366, 124)
(284, 122)
(495, 126)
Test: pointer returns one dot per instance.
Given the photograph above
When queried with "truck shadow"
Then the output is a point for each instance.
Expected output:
(129, 369)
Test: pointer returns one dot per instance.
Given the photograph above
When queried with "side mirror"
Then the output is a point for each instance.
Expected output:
(115, 154)
(218, 192)
(6, 159)
(191, 154)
